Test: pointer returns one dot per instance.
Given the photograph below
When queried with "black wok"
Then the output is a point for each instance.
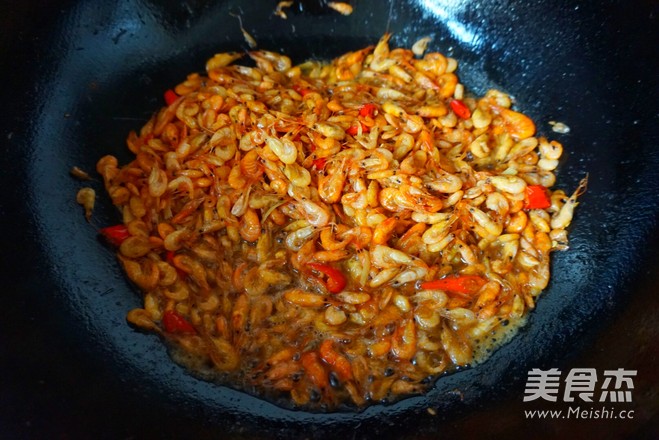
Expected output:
(78, 75)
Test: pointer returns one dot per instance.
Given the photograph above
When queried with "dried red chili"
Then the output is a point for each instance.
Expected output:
(336, 281)
(115, 234)
(368, 109)
(460, 109)
(353, 130)
(170, 96)
(175, 323)
(536, 197)
(320, 163)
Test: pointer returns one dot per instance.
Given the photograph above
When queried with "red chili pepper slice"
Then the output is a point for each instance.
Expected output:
(336, 281)
(301, 90)
(368, 109)
(175, 323)
(170, 96)
(537, 197)
(320, 163)
(465, 284)
(460, 109)
(115, 234)
(353, 130)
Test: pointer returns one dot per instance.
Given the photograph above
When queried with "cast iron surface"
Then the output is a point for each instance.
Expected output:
(79, 75)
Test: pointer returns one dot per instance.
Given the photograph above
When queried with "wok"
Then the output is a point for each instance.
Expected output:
(78, 75)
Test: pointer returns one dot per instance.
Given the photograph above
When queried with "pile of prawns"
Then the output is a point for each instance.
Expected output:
(336, 233)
